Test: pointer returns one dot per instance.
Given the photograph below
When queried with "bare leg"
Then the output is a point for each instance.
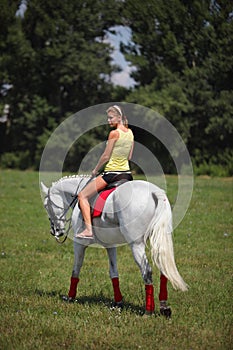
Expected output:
(83, 197)
(86, 213)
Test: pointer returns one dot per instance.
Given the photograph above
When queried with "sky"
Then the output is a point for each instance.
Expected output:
(123, 34)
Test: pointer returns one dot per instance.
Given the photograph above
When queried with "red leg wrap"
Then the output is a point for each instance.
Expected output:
(163, 288)
(150, 304)
(116, 288)
(73, 287)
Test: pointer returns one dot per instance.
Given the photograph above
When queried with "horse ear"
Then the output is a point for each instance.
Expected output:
(44, 188)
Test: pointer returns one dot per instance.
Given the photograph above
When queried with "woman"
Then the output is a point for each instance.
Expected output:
(117, 154)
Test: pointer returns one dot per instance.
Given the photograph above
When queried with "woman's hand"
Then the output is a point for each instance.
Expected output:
(94, 173)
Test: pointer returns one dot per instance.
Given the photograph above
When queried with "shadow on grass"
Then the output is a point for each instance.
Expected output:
(94, 300)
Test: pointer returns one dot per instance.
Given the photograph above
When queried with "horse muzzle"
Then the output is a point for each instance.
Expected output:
(57, 233)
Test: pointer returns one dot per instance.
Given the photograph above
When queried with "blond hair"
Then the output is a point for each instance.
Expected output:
(118, 110)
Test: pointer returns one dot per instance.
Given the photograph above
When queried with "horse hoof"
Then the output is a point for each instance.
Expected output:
(117, 305)
(166, 311)
(67, 299)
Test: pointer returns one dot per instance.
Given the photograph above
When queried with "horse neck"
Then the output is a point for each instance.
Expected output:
(70, 186)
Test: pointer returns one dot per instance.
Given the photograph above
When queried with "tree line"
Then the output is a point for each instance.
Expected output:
(55, 60)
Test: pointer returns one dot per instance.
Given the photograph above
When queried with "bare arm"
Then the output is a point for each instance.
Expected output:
(131, 151)
(104, 158)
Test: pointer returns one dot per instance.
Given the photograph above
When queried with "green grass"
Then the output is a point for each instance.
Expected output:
(35, 270)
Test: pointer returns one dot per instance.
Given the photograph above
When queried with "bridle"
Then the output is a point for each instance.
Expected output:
(53, 219)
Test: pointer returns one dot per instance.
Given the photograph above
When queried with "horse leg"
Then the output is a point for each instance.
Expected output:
(113, 272)
(79, 253)
(164, 309)
(139, 254)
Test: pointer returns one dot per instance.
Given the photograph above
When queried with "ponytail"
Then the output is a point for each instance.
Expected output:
(125, 121)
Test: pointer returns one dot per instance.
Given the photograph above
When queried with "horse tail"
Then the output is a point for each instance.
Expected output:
(161, 242)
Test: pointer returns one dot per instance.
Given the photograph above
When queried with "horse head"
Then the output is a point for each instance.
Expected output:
(54, 206)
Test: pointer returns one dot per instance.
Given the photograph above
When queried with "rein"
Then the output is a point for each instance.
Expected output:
(62, 217)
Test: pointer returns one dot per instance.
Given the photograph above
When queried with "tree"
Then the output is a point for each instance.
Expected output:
(183, 54)
(73, 59)
(57, 61)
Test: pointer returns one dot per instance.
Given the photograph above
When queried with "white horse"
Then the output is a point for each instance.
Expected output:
(134, 212)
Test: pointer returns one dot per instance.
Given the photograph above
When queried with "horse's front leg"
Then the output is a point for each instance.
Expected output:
(79, 253)
(113, 272)
(139, 254)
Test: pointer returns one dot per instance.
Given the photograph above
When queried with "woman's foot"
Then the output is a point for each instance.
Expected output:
(85, 234)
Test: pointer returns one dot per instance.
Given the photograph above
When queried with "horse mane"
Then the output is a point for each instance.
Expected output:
(83, 176)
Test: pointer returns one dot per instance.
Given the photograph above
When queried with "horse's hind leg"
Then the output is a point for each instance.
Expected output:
(113, 272)
(164, 309)
(138, 250)
(163, 289)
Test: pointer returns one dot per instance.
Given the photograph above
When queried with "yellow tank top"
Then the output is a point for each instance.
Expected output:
(120, 153)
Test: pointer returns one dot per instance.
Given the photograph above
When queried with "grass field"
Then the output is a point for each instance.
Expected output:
(35, 270)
